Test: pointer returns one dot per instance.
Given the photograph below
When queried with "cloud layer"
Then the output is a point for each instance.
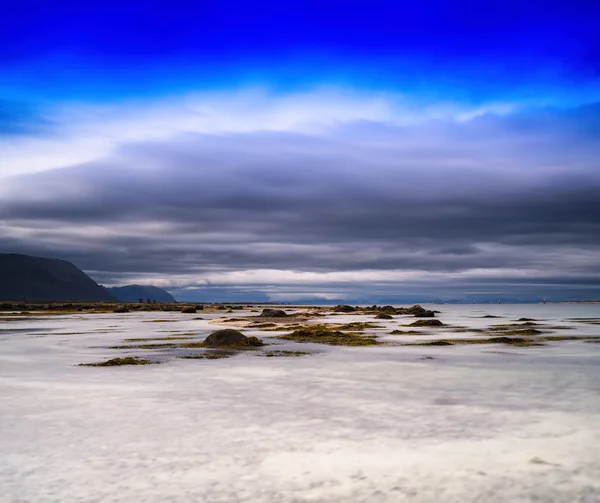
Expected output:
(325, 195)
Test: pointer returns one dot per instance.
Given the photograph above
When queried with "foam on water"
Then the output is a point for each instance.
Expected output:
(480, 423)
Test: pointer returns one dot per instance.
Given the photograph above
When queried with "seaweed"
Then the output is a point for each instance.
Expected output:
(426, 323)
(282, 353)
(117, 362)
(206, 356)
(321, 334)
(513, 341)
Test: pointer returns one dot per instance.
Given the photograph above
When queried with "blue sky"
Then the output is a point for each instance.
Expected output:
(468, 49)
(227, 138)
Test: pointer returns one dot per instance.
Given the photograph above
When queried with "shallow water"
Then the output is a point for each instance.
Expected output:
(476, 423)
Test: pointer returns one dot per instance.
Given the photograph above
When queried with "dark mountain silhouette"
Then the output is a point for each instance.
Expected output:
(133, 293)
(23, 277)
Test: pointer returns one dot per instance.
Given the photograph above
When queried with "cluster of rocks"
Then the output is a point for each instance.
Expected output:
(385, 312)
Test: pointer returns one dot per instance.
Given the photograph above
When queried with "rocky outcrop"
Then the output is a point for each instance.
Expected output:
(229, 337)
(273, 313)
(344, 308)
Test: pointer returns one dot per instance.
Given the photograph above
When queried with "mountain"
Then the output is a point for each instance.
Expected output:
(133, 293)
(23, 277)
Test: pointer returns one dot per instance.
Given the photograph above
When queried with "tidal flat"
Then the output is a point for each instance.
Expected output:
(354, 407)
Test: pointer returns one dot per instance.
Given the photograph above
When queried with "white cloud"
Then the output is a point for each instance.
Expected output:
(84, 132)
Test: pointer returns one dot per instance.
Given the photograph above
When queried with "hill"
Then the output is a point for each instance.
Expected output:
(133, 293)
(23, 277)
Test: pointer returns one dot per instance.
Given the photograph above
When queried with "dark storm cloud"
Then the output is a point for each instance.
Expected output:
(518, 193)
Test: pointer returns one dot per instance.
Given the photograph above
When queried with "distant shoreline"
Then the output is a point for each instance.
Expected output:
(574, 302)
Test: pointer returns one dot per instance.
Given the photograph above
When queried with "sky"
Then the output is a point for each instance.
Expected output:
(330, 151)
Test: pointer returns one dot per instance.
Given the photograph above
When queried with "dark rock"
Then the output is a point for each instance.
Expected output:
(121, 310)
(273, 313)
(343, 308)
(199, 308)
(427, 323)
(383, 316)
(414, 310)
(526, 319)
(425, 314)
(509, 340)
(189, 310)
(230, 337)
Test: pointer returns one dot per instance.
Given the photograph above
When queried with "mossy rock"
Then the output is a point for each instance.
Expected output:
(416, 309)
(512, 341)
(117, 362)
(273, 313)
(229, 337)
(189, 310)
(344, 308)
(384, 316)
(525, 331)
(517, 341)
(426, 323)
(206, 356)
(425, 314)
(321, 334)
(358, 325)
(282, 353)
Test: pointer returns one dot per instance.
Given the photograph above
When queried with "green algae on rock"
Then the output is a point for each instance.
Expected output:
(321, 334)
(116, 362)
(206, 356)
(283, 353)
(426, 323)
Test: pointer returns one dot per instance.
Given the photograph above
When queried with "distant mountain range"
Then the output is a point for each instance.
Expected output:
(133, 293)
(28, 278)
(23, 277)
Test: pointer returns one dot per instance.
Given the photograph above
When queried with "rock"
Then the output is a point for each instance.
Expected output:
(425, 314)
(344, 308)
(526, 319)
(230, 337)
(199, 307)
(426, 323)
(384, 316)
(121, 310)
(273, 313)
(189, 310)
(414, 310)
